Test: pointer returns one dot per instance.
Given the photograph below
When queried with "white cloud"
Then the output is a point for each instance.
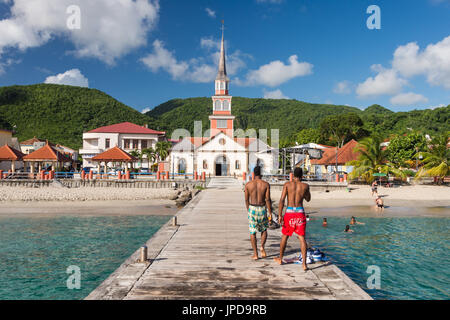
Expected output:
(210, 12)
(386, 82)
(433, 62)
(109, 28)
(435, 107)
(276, 72)
(202, 69)
(343, 87)
(275, 94)
(146, 110)
(408, 99)
(72, 77)
(7, 63)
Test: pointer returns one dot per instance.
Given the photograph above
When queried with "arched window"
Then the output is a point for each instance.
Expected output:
(226, 105)
(218, 105)
(205, 164)
(238, 165)
(182, 166)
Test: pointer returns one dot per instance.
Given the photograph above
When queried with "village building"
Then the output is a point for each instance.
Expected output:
(223, 152)
(332, 158)
(126, 136)
(9, 144)
(34, 144)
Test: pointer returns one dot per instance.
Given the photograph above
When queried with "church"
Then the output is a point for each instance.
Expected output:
(224, 151)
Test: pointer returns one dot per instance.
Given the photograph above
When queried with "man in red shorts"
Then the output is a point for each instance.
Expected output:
(294, 219)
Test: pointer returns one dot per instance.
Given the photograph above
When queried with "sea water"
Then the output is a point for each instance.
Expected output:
(36, 252)
(412, 254)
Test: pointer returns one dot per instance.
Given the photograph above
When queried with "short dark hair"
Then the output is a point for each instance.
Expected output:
(298, 172)
(257, 171)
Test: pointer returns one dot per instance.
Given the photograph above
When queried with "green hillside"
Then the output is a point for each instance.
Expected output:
(61, 113)
(291, 116)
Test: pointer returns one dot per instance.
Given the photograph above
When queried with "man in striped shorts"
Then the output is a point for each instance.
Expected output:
(257, 200)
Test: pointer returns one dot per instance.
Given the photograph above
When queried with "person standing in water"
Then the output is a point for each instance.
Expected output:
(258, 202)
(324, 223)
(294, 220)
(347, 229)
(380, 204)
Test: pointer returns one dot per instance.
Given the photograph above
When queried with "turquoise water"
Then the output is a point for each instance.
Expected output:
(35, 252)
(411, 252)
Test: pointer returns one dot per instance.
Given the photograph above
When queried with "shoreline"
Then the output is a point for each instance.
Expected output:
(153, 207)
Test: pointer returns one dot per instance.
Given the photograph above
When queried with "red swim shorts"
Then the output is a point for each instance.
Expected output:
(294, 221)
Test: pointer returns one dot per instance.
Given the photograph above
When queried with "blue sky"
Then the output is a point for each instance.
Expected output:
(146, 52)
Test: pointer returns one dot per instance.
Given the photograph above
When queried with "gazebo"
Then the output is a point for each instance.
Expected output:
(46, 154)
(114, 155)
(11, 155)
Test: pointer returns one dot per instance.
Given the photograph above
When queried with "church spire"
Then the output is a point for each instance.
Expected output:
(222, 73)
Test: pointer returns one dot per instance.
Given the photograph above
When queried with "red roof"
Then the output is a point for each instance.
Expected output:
(47, 153)
(8, 153)
(114, 154)
(345, 154)
(125, 127)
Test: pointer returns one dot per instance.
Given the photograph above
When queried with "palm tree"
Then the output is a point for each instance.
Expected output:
(436, 162)
(151, 155)
(372, 160)
(139, 155)
(162, 149)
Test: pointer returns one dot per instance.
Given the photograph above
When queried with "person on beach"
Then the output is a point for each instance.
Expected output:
(347, 229)
(353, 221)
(374, 187)
(294, 219)
(257, 200)
(324, 223)
(379, 203)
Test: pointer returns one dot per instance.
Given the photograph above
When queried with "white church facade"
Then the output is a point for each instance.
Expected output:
(224, 152)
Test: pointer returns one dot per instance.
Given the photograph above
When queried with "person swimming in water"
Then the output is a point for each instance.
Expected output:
(379, 203)
(347, 229)
(353, 221)
(324, 223)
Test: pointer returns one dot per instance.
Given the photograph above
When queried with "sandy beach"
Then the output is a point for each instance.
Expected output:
(399, 201)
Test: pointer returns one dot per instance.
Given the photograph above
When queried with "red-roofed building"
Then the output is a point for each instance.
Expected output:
(9, 158)
(45, 157)
(126, 136)
(332, 157)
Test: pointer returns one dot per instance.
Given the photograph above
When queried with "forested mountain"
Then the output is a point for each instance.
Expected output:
(62, 113)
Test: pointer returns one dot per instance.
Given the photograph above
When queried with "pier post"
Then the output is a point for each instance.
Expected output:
(167, 175)
(143, 257)
(195, 176)
(174, 221)
(204, 176)
(91, 175)
(1, 174)
(158, 176)
(119, 175)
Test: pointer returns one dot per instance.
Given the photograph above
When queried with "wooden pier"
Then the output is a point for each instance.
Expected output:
(208, 256)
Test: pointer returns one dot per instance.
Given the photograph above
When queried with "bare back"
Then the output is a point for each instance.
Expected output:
(296, 191)
(257, 191)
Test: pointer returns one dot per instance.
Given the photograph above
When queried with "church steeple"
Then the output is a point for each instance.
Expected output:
(222, 73)
(222, 120)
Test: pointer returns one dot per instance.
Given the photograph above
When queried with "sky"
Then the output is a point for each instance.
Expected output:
(145, 52)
